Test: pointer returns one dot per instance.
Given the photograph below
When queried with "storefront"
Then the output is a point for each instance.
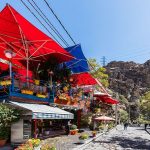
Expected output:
(38, 121)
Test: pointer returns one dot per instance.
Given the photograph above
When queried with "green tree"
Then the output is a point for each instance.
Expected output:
(8, 115)
(123, 115)
(145, 105)
(98, 72)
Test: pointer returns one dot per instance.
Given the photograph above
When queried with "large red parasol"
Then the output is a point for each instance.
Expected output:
(26, 41)
(105, 98)
(83, 79)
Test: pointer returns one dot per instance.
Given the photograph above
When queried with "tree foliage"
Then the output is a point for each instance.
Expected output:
(8, 115)
(98, 72)
(145, 105)
(123, 115)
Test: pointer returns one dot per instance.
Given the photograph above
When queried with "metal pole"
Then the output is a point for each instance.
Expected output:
(129, 113)
(116, 114)
(10, 69)
(35, 127)
(27, 72)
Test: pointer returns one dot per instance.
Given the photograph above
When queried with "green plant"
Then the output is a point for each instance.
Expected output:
(7, 116)
(73, 127)
(110, 125)
(48, 147)
(34, 142)
(86, 120)
(101, 127)
(84, 136)
(4, 133)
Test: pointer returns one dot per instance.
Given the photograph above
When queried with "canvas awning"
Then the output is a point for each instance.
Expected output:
(40, 111)
(80, 63)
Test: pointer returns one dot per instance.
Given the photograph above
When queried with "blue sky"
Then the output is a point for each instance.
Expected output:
(116, 29)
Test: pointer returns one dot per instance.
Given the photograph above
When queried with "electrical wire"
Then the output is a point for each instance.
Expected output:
(59, 21)
(130, 53)
(47, 21)
(40, 22)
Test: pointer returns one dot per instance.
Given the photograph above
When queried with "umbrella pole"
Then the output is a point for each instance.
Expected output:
(27, 71)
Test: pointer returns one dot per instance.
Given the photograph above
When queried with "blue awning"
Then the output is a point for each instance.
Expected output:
(79, 64)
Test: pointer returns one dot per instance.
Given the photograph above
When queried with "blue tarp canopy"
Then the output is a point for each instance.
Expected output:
(79, 64)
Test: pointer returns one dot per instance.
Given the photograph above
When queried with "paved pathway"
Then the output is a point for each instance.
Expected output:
(135, 138)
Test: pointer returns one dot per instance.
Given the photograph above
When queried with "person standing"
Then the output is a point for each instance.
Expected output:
(146, 126)
(125, 126)
(68, 127)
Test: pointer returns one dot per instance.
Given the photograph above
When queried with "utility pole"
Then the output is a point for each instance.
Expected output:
(116, 114)
(103, 61)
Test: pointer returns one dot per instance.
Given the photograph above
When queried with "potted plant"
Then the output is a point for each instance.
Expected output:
(94, 133)
(37, 82)
(26, 90)
(64, 98)
(73, 129)
(83, 138)
(4, 135)
(41, 95)
(5, 82)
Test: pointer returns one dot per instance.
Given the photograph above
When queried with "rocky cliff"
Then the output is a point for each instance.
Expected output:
(129, 79)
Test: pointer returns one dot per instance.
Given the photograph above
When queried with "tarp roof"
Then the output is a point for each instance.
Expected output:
(40, 111)
(79, 64)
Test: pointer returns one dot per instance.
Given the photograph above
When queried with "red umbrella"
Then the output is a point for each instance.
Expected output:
(83, 79)
(104, 118)
(26, 41)
(106, 99)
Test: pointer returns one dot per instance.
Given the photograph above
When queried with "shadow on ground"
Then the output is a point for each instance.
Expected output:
(148, 131)
(136, 143)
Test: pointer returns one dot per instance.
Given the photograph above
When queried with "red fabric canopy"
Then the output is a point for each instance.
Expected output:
(83, 79)
(107, 99)
(27, 41)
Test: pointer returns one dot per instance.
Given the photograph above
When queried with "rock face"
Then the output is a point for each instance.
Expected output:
(129, 79)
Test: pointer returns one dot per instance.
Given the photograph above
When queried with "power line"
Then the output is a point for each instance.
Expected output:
(59, 21)
(130, 53)
(139, 55)
(135, 54)
(47, 21)
(40, 21)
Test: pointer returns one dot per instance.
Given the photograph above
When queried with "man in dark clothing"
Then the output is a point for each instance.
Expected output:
(146, 126)
(125, 126)
(68, 127)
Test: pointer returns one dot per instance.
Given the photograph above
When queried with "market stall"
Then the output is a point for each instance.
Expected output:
(37, 121)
